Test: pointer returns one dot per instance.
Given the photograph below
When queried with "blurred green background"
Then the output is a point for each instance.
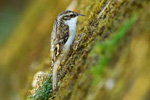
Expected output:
(10, 13)
(25, 27)
(10, 16)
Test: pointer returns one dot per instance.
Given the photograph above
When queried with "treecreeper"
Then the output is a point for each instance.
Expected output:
(62, 38)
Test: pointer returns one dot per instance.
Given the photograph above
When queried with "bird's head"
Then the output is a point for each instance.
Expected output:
(68, 17)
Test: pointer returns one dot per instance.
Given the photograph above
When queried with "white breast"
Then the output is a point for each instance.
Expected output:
(72, 32)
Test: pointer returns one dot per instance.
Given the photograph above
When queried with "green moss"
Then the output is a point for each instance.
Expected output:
(44, 92)
(106, 48)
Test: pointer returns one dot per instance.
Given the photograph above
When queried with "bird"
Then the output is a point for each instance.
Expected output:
(62, 38)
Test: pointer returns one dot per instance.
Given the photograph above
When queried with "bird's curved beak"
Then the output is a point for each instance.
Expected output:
(81, 15)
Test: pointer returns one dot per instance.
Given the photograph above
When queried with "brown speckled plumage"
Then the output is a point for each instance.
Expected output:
(60, 34)
(64, 27)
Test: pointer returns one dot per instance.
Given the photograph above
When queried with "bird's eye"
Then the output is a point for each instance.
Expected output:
(71, 15)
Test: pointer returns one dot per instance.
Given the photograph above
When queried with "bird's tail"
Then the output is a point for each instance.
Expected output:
(56, 65)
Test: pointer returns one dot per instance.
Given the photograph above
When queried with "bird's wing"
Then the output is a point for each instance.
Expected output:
(59, 37)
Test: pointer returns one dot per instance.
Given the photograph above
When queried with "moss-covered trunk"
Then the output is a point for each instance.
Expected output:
(117, 66)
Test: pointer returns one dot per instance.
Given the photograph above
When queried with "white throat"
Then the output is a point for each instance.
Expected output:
(72, 31)
(72, 25)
